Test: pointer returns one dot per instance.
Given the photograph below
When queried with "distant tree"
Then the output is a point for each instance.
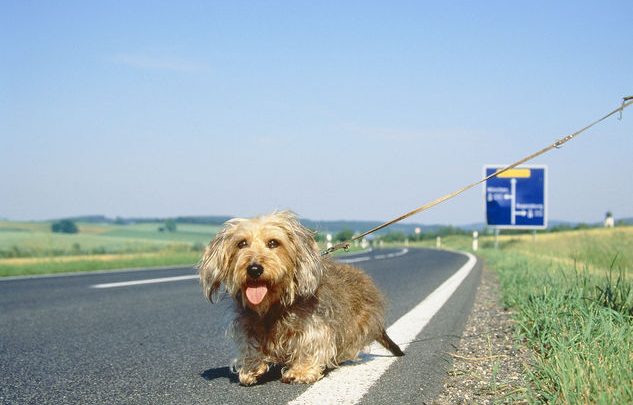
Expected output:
(394, 236)
(64, 226)
(344, 235)
(170, 225)
(450, 230)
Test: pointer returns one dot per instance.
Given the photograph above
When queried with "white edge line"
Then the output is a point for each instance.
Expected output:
(348, 384)
(146, 281)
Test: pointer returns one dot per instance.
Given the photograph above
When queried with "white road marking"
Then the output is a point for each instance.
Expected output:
(146, 281)
(356, 259)
(349, 383)
(378, 257)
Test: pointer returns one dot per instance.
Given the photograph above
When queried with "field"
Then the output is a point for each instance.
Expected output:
(572, 299)
(31, 248)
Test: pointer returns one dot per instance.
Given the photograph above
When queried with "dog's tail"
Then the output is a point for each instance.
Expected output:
(389, 344)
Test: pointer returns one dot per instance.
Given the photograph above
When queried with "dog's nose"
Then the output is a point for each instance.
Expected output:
(255, 270)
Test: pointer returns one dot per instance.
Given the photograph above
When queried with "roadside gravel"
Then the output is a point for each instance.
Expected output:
(488, 365)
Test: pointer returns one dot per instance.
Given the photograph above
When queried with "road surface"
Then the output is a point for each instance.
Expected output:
(150, 337)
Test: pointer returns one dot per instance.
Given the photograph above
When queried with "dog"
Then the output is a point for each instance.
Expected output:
(294, 308)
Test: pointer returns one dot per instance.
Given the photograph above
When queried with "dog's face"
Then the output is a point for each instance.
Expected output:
(262, 261)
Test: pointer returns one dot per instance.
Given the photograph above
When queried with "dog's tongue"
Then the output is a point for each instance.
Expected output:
(255, 293)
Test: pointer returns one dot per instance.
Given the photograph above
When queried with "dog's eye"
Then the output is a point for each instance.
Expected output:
(242, 244)
(273, 243)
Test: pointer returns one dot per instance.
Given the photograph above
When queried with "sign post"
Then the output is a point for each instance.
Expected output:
(516, 198)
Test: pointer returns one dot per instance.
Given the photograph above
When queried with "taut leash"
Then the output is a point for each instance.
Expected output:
(626, 101)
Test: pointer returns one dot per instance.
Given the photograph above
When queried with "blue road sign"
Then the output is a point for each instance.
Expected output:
(516, 198)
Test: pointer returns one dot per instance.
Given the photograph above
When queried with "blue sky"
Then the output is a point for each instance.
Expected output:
(337, 110)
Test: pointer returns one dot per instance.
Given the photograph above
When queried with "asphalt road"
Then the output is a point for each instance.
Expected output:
(64, 341)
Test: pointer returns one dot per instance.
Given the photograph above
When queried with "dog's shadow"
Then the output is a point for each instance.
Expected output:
(219, 372)
(225, 373)
(274, 373)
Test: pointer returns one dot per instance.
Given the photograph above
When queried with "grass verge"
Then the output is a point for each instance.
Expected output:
(69, 264)
(579, 325)
(32, 249)
(572, 299)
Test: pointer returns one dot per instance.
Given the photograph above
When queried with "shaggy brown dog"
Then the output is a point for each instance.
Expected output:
(293, 307)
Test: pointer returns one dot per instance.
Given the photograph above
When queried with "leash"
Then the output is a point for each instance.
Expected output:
(626, 101)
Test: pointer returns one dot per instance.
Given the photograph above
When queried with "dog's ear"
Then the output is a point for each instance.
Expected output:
(213, 267)
(308, 269)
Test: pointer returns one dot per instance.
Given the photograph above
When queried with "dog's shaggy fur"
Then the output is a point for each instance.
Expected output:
(293, 307)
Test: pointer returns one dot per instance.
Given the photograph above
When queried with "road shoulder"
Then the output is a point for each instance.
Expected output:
(488, 364)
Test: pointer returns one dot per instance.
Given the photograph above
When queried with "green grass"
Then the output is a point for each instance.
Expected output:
(579, 325)
(594, 248)
(149, 231)
(572, 299)
(42, 244)
(99, 262)
(31, 248)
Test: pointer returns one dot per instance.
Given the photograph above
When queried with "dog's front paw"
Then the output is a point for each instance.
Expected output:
(301, 375)
(249, 377)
